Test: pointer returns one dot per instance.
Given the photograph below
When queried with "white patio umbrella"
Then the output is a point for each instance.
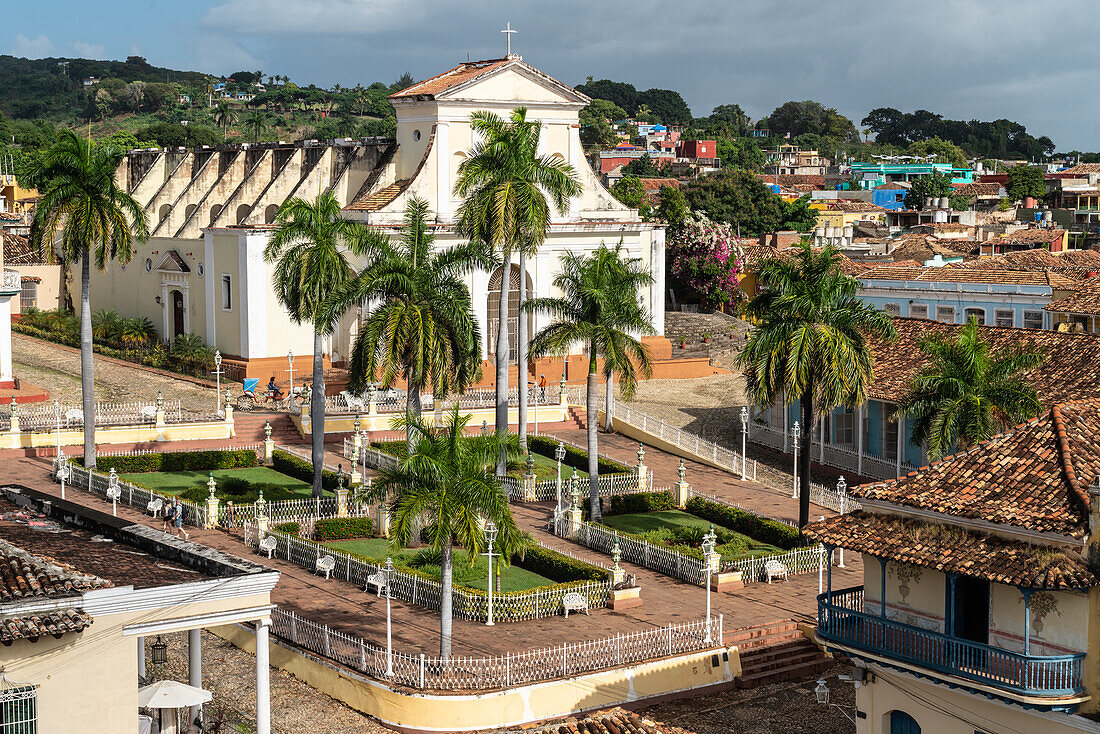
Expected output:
(171, 694)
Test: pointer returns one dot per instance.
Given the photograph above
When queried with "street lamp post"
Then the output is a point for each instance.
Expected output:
(218, 377)
(744, 438)
(113, 491)
(559, 454)
(709, 542)
(796, 432)
(63, 471)
(388, 568)
(490, 536)
(290, 371)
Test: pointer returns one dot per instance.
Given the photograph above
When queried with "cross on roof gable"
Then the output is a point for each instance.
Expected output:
(452, 82)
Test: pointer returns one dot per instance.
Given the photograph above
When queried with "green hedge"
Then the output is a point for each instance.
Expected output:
(754, 526)
(627, 504)
(574, 457)
(239, 491)
(289, 528)
(343, 528)
(558, 567)
(179, 461)
(292, 466)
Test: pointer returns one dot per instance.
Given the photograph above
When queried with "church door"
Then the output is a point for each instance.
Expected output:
(493, 309)
(177, 314)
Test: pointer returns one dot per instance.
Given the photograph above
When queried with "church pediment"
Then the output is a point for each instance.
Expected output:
(172, 263)
(497, 80)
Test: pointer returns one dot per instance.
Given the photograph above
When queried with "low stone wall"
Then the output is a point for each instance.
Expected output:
(144, 433)
(345, 422)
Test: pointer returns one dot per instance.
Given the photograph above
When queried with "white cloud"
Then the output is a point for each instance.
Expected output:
(317, 17)
(215, 53)
(90, 50)
(32, 48)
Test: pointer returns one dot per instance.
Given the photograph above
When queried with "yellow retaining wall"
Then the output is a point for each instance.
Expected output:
(345, 423)
(437, 712)
(146, 433)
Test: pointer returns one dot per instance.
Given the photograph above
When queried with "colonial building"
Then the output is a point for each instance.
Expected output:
(980, 607)
(211, 211)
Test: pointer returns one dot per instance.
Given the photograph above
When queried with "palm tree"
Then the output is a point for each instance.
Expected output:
(444, 485)
(309, 247)
(599, 308)
(100, 222)
(422, 328)
(966, 393)
(225, 116)
(255, 122)
(810, 343)
(504, 184)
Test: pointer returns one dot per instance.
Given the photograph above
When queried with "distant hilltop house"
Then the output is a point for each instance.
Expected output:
(792, 160)
(211, 211)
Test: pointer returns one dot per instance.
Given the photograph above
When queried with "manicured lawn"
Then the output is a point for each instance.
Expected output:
(547, 468)
(177, 481)
(671, 520)
(513, 578)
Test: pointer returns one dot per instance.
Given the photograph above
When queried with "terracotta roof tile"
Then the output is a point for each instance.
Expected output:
(1067, 373)
(952, 549)
(755, 254)
(970, 275)
(1085, 300)
(1040, 258)
(1083, 168)
(979, 189)
(48, 623)
(451, 78)
(1030, 236)
(843, 205)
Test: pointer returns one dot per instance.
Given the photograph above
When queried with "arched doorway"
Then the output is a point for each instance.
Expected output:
(178, 327)
(903, 723)
(513, 309)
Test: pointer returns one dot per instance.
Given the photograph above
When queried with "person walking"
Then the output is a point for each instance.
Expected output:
(169, 511)
(177, 519)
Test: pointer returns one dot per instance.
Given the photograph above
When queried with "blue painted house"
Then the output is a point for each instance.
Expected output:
(890, 196)
(873, 175)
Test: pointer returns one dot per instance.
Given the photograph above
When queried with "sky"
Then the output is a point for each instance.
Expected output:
(1034, 63)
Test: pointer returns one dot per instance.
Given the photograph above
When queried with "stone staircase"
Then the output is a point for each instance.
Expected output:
(249, 427)
(775, 652)
(690, 327)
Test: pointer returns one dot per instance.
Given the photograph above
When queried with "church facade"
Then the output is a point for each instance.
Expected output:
(211, 213)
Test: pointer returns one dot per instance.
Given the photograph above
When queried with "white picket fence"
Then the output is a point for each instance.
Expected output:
(371, 458)
(810, 559)
(503, 671)
(731, 461)
(43, 417)
(634, 550)
(256, 448)
(425, 592)
(130, 494)
(472, 399)
(833, 499)
(608, 485)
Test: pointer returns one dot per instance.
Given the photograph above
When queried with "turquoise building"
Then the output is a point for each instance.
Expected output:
(871, 175)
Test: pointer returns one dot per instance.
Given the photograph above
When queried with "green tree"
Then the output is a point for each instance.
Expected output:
(596, 120)
(730, 116)
(642, 167)
(934, 185)
(99, 221)
(309, 248)
(738, 197)
(672, 206)
(798, 215)
(966, 393)
(422, 328)
(629, 191)
(224, 116)
(600, 309)
(508, 190)
(810, 343)
(945, 151)
(255, 122)
(808, 116)
(1024, 181)
(444, 481)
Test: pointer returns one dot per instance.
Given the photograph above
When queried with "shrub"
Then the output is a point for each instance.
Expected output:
(574, 457)
(627, 504)
(558, 567)
(292, 466)
(238, 491)
(343, 528)
(754, 526)
(179, 461)
(289, 528)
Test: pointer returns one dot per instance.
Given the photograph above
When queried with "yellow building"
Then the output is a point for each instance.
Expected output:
(78, 611)
(17, 199)
(980, 607)
(842, 213)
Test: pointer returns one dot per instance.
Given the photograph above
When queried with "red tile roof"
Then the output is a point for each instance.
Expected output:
(1030, 236)
(1083, 169)
(1066, 262)
(952, 549)
(755, 254)
(979, 189)
(1033, 476)
(843, 205)
(972, 274)
(655, 184)
(451, 78)
(1084, 300)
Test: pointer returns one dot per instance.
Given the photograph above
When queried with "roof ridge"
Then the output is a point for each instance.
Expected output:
(1062, 439)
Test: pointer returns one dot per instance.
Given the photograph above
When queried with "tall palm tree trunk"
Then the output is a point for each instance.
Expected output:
(502, 362)
(413, 410)
(317, 412)
(87, 367)
(446, 590)
(806, 403)
(521, 354)
(609, 403)
(591, 421)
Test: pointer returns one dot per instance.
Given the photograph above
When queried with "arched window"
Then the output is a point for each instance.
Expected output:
(164, 211)
(456, 160)
(493, 304)
(903, 723)
(242, 213)
(214, 212)
(270, 212)
(188, 211)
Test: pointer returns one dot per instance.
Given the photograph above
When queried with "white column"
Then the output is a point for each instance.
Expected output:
(6, 374)
(186, 309)
(194, 669)
(165, 310)
(657, 289)
(141, 656)
(821, 439)
(263, 679)
(443, 175)
(901, 441)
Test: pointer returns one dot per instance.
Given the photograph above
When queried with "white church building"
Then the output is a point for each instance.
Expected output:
(210, 211)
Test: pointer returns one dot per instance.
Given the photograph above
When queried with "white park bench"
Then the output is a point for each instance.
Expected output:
(148, 413)
(325, 564)
(353, 402)
(376, 579)
(74, 415)
(775, 570)
(269, 544)
(155, 506)
(574, 602)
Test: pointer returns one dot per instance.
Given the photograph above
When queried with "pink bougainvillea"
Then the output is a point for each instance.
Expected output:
(706, 258)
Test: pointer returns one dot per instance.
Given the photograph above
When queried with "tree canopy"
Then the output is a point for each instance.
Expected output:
(814, 118)
(740, 199)
(1024, 181)
(663, 105)
(997, 139)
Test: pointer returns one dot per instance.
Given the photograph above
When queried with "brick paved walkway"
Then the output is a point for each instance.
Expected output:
(415, 629)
